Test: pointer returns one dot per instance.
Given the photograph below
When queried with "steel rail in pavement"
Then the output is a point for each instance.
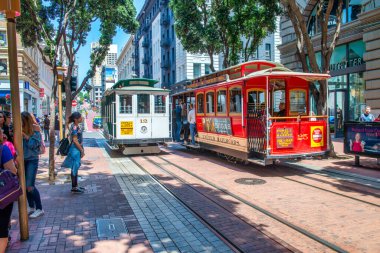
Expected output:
(258, 208)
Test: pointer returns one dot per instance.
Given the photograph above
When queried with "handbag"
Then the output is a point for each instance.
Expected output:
(64, 147)
(10, 188)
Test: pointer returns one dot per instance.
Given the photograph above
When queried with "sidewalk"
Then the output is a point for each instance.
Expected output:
(345, 163)
(145, 217)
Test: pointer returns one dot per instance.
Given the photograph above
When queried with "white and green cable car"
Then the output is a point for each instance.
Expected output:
(136, 116)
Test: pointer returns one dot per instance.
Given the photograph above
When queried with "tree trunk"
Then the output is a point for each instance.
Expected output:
(211, 55)
(52, 140)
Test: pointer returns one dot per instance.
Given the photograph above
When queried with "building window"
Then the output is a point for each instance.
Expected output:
(160, 104)
(3, 39)
(207, 69)
(256, 100)
(3, 67)
(235, 100)
(125, 104)
(268, 52)
(143, 103)
(196, 70)
(210, 107)
(356, 96)
(297, 101)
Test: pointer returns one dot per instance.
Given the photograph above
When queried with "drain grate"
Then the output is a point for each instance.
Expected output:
(110, 227)
(250, 181)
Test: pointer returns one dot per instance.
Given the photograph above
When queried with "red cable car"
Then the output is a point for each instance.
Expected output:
(257, 111)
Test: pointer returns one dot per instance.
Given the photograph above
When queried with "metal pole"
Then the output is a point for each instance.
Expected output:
(60, 108)
(17, 124)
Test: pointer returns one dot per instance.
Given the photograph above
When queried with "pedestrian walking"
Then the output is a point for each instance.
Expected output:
(56, 129)
(192, 122)
(178, 121)
(31, 143)
(6, 163)
(46, 127)
(367, 116)
(76, 151)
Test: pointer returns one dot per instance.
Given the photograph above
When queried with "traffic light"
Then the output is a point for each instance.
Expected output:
(88, 87)
(8, 99)
(73, 83)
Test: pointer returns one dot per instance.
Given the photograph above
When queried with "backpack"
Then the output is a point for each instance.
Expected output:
(64, 147)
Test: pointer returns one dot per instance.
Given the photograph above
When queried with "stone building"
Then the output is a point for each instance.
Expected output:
(355, 63)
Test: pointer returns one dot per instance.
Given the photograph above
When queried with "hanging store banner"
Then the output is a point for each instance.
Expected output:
(362, 138)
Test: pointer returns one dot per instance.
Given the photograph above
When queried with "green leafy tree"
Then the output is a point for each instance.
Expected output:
(59, 28)
(230, 27)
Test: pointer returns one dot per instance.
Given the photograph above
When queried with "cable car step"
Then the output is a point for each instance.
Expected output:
(115, 147)
(261, 162)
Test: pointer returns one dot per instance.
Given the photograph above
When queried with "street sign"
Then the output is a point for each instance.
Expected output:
(74, 103)
(42, 92)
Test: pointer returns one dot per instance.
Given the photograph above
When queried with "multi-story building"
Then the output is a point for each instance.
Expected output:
(45, 82)
(28, 74)
(126, 61)
(109, 76)
(96, 81)
(160, 54)
(355, 62)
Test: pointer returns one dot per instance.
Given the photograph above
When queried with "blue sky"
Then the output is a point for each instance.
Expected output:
(83, 56)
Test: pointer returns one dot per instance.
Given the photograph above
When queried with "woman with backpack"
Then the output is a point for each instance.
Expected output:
(31, 143)
(6, 163)
(76, 151)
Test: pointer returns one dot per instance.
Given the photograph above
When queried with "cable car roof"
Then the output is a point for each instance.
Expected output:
(282, 71)
(144, 82)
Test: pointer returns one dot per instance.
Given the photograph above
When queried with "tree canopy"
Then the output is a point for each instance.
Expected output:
(230, 27)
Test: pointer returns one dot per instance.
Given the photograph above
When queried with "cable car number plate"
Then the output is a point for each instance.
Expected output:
(126, 127)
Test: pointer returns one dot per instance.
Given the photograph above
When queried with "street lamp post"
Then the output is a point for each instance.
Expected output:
(60, 71)
(11, 9)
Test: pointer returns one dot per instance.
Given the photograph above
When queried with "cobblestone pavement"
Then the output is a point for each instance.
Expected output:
(155, 221)
(168, 225)
(328, 208)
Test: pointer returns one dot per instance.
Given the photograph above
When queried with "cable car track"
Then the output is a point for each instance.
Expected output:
(326, 182)
(248, 203)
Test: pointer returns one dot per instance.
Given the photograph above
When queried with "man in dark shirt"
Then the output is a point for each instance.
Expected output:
(46, 127)
(282, 112)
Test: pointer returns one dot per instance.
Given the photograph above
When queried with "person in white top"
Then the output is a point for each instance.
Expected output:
(191, 120)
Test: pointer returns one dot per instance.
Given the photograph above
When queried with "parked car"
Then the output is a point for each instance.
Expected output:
(97, 122)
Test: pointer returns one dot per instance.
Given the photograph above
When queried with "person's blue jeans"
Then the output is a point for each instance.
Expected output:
(178, 130)
(192, 133)
(46, 132)
(32, 194)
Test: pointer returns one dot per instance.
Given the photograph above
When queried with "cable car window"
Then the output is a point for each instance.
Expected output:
(279, 102)
(159, 104)
(256, 100)
(297, 101)
(143, 103)
(200, 103)
(235, 100)
(125, 104)
(221, 101)
(210, 107)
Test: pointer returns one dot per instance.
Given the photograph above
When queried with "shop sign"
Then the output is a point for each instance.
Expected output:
(316, 133)
(42, 92)
(126, 127)
(26, 85)
(217, 125)
(284, 137)
(362, 138)
(347, 64)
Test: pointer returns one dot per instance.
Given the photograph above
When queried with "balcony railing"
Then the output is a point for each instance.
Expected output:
(164, 21)
(165, 43)
(146, 60)
(165, 64)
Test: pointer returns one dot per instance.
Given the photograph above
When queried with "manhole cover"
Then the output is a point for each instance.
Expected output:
(110, 227)
(250, 181)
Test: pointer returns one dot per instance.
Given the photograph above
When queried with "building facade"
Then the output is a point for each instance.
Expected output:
(159, 53)
(125, 63)
(28, 74)
(46, 80)
(355, 62)
(98, 82)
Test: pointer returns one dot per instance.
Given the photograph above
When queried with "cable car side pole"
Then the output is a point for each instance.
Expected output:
(267, 116)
